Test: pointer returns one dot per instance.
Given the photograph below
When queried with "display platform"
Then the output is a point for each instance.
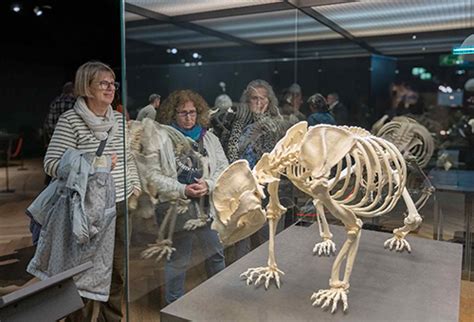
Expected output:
(385, 286)
(44, 301)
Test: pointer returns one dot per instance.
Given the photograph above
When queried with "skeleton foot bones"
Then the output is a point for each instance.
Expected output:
(400, 244)
(259, 274)
(335, 294)
(326, 248)
(162, 248)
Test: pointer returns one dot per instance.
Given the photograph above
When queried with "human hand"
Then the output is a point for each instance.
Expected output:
(197, 189)
(204, 187)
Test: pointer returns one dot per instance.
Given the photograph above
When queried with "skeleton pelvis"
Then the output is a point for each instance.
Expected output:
(246, 225)
(237, 198)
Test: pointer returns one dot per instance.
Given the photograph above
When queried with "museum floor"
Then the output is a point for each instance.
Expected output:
(145, 291)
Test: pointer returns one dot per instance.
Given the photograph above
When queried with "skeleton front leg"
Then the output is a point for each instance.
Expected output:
(411, 221)
(163, 246)
(327, 246)
(339, 289)
(274, 212)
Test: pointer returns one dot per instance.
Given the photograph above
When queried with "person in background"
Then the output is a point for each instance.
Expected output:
(338, 110)
(83, 128)
(320, 111)
(292, 101)
(58, 106)
(150, 110)
(221, 115)
(256, 128)
(193, 175)
(118, 106)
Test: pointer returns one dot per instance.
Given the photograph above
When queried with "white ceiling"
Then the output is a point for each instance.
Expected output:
(381, 17)
(369, 21)
(183, 7)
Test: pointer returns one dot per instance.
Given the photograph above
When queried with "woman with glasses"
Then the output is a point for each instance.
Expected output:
(256, 127)
(82, 128)
(257, 124)
(194, 171)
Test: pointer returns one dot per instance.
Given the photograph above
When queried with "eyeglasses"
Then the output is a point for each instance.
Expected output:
(105, 85)
(259, 98)
(184, 114)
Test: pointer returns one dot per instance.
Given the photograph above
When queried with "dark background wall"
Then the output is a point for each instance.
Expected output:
(350, 77)
(382, 74)
(39, 54)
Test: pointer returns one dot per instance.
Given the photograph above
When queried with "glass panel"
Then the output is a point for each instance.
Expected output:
(387, 59)
(372, 62)
(216, 57)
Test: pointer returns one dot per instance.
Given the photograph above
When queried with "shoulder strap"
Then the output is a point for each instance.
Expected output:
(101, 147)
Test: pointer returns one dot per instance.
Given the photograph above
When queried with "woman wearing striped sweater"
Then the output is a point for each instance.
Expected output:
(90, 121)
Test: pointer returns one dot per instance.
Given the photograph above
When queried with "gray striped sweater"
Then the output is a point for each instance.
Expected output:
(72, 132)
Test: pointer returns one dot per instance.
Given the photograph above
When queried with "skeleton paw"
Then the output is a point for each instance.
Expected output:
(324, 298)
(259, 274)
(192, 224)
(160, 249)
(326, 248)
(397, 243)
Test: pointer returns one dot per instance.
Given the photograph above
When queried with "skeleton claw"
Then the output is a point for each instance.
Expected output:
(192, 224)
(326, 248)
(256, 275)
(162, 248)
(333, 295)
(400, 244)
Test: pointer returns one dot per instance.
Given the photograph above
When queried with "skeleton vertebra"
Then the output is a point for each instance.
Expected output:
(331, 164)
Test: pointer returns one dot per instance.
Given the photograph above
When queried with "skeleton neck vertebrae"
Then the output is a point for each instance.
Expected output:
(345, 170)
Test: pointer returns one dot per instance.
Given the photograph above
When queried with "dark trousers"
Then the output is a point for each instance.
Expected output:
(179, 263)
(112, 309)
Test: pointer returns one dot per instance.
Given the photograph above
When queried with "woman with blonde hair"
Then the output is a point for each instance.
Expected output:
(90, 124)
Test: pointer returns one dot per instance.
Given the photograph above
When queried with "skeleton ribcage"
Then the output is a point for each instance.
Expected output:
(368, 179)
(410, 137)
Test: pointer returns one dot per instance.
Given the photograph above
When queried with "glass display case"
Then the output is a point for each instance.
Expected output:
(365, 62)
(207, 84)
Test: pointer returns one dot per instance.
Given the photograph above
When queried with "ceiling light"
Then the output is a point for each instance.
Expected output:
(425, 76)
(174, 51)
(37, 10)
(16, 7)
(466, 48)
(413, 37)
(195, 55)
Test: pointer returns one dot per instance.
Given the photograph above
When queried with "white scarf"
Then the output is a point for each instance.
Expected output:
(101, 127)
